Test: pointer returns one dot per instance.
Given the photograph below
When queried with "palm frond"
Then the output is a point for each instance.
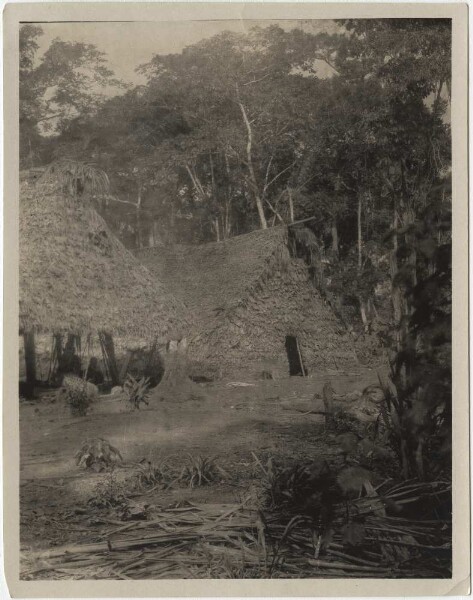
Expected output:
(76, 177)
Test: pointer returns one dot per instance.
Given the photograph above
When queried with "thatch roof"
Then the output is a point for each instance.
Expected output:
(213, 278)
(75, 276)
(246, 294)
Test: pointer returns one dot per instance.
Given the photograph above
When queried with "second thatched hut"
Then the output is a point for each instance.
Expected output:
(254, 308)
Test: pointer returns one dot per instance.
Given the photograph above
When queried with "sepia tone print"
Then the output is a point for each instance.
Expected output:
(235, 304)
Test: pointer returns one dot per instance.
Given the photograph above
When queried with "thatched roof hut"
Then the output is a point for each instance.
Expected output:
(253, 305)
(76, 277)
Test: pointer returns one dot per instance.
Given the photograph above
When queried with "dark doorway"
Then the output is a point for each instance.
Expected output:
(296, 364)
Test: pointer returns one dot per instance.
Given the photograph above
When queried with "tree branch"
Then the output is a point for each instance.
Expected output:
(114, 199)
(278, 176)
(197, 185)
(274, 211)
(60, 114)
(267, 174)
(328, 62)
(257, 80)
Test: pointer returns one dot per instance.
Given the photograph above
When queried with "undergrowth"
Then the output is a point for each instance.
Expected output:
(149, 476)
(201, 470)
(109, 493)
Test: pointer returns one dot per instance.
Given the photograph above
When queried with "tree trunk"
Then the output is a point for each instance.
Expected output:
(439, 95)
(364, 317)
(31, 155)
(395, 291)
(419, 458)
(227, 227)
(30, 357)
(228, 202)
(334, 231)
(139, 241)
(372, 308)
(254, 183)
(291, 205)
(359, 232)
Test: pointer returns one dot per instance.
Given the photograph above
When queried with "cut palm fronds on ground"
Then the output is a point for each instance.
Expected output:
(227, 541)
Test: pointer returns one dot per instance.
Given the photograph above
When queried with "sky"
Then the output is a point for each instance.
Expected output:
(130, 44)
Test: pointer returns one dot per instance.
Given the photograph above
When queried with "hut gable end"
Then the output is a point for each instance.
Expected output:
(247, 295)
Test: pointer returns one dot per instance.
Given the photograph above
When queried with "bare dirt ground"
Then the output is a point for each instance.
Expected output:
(228, 423)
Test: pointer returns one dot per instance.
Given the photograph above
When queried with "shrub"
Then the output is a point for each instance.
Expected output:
(78, 393)
(98, 454)
(109, 493)
(201, 470)
(151, 475)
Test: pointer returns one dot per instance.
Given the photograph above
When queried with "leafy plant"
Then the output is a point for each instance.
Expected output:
(137, 391)
(300, 488)
(343, 422)
(418, 401)
(109, 493)
(201, 470)
(150, 475)
(98, 454)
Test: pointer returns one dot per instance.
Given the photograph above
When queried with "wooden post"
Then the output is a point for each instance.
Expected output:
(328, 403)
(56, 357)
(124, 369)
(300, 358)
(69, 357)
(52, 361)
(30, 357)
(108, 349)
(105, 358)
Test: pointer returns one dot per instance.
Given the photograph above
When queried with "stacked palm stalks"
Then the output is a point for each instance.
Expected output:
(239, 541)
(365, 538)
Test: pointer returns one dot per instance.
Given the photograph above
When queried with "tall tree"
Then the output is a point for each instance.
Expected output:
(239, 95)
(68, 80)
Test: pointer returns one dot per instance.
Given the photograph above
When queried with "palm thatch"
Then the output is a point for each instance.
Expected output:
(245, 295)
(76, 277)
(74, 176)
